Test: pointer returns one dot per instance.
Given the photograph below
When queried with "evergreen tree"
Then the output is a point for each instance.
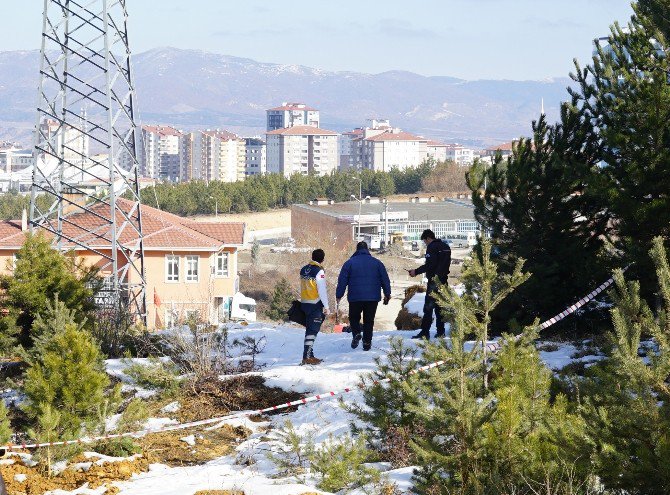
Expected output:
(387, 410)
(628, 396)
(282, 297)
(5, 426)
(66, 375)
(540, 205)
(255, 253)
(40, 274)
(625, 96)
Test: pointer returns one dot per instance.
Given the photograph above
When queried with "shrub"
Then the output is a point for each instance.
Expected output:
(159, 375)
(340, 464)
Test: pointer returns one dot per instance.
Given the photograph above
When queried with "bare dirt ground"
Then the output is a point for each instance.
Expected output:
(255, 221)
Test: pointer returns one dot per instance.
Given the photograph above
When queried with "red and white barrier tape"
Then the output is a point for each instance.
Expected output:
(494, 346)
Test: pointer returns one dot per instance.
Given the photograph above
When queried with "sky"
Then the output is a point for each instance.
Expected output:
(470, 39)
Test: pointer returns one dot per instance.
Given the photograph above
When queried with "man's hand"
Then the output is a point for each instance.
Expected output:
(326, 311)
(386, 300)
(412, 272)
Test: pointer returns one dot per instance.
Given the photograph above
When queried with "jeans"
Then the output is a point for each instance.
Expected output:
(314, 319)
(368, 309)
(429, 307)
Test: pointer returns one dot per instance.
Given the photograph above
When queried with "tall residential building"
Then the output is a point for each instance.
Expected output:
(346, 149)
(301, 150)
(460, 154)
(14, 159)
(255, 156)
(437, 151)
(386, 149)
(290, 115)
(159, 152)
(218, 155)
(73, 141)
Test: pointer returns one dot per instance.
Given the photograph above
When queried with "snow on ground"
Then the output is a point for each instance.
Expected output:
(250, 470)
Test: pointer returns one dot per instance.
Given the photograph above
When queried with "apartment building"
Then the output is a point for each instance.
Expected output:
(159, 153)
(13, 159)
(73, 141)
(437, 151)
(301, 150)
(214, 155)
(347, 150)
(391, 148)
(290, 115)
(255, 162)
(460, 154)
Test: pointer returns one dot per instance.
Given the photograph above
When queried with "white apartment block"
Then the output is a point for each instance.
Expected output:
(301, 150)
(460, 155)
(386, 149)
(255, 157)
(290, 115)
(218, 155)
(15, 159)
(159, 152)
(437, 151)
(72, 141)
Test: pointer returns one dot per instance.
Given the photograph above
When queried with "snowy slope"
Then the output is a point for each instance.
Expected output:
(250, 470)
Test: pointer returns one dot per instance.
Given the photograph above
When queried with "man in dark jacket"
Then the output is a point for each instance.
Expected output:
(436, 268)
(366, 278)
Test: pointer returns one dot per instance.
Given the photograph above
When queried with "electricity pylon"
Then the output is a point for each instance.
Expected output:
(85, 188)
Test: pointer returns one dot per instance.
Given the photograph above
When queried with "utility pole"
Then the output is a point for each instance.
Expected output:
(386, 223)
(86, 96)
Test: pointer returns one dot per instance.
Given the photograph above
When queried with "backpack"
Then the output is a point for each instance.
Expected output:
(296, 314)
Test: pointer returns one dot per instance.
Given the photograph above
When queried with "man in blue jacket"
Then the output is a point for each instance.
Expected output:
(366, 278)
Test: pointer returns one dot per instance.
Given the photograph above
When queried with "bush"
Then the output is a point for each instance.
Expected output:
(159, 375)
(340, 464)
(281, 301)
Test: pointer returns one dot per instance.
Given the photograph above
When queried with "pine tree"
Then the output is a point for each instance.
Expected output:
(628, 396)
(66, 375)
(47, 430)
(541, 205)
(282, 296)
(40, 273)
(255, 253)
(387, 410)
(5, 426)
(625, 96)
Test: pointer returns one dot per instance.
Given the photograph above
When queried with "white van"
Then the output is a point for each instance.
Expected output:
(242, 308)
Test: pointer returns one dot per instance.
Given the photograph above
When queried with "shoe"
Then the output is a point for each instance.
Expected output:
(421, 336)
(311, 360)
(355, 339)
(367, 346)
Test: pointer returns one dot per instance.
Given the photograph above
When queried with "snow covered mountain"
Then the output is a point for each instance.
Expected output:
(192, 88)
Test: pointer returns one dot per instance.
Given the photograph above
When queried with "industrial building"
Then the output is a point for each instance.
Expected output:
(340, 224)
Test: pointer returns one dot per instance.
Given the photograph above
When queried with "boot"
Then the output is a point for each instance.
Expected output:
(355, 339)
(421, 335)
(367, 346)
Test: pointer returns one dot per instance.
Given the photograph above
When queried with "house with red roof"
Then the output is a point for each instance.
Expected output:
(190, 266)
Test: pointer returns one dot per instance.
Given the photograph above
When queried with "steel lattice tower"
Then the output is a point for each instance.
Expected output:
(86, 98)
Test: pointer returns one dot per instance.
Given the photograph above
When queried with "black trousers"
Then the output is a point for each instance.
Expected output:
(368, 309)
(430, 307)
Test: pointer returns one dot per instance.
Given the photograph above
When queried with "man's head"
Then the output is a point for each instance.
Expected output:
(318, 255)
(428, 236)
(361, 245)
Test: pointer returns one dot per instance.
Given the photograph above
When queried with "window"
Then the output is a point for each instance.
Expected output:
(192, 263)
(171, 268)
(222, 265)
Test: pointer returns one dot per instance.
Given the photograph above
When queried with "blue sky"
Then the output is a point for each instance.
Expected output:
(472, 39)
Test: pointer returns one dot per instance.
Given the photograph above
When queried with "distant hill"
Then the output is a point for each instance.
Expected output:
(192, 88)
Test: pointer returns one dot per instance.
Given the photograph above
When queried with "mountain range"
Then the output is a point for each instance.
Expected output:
(195, 89)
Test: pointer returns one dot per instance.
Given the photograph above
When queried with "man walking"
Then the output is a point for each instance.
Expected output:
(366, 278)
(314, 302)
(436, 268)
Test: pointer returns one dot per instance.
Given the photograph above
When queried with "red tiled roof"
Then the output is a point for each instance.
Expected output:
(395, 136)
(162, 130)
(302, 130)
(161, 230)
(502, 147)
(293, 106)
(223, 135)
(436, 144)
